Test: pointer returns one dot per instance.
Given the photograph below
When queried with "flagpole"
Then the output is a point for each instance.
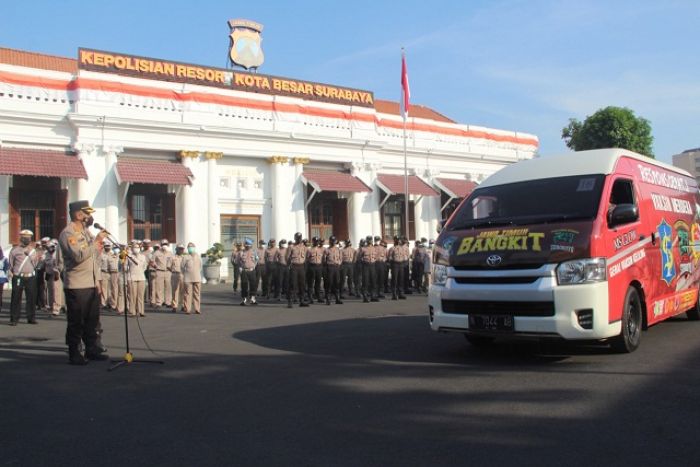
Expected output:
(405, 157)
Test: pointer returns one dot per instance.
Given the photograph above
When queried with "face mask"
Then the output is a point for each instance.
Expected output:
(88, 221)
(52, 249)
(135, 250)
(24, 241)
(190, 249)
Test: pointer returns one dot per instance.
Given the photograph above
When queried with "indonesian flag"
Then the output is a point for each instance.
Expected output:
(405, 90)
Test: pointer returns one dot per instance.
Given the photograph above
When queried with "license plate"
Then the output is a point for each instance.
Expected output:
(496, 323)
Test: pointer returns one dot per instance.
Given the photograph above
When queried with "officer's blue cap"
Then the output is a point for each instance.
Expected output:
(248, 241)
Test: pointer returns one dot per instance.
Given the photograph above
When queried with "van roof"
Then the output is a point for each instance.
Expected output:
(596, 161)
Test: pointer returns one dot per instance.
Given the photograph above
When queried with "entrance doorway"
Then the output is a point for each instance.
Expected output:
(328, 215)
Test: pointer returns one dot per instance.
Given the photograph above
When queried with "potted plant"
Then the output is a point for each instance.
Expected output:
(212, 269)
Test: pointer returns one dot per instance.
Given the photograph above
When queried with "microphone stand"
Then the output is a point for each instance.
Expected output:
(126, 260)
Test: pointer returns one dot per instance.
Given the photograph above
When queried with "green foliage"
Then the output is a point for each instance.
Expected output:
(215, 254)
(611, 127)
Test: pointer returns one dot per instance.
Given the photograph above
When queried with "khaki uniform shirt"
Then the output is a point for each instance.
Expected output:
(315, 255)
(366, 254)
(270, 254)
(348, 254)
(248, 259)
(192, 268)
(161, 260)
(17, 256)
(380, 252)
(137, 268)
(80, 254)
(333, 256)
(113, 263)
(104, 261)
(176, 264)
(281, 256)
(296, 254)
(261, 255)
(51, 264)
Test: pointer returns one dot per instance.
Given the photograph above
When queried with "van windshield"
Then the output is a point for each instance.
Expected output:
(535, 201)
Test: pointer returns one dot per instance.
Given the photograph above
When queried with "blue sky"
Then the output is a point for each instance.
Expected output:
(517, 65)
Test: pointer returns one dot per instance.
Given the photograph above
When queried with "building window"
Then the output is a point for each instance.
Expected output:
(37, 204)
(236, 228)
(151, 213)
(321, 220)
(393, 219)
(327, 215)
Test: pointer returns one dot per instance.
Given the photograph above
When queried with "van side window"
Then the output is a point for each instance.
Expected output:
(622, 193)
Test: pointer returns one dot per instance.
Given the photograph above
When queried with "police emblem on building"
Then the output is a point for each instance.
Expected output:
(246, 50)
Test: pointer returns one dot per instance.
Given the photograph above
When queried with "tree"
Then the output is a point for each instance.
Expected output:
(611, 127)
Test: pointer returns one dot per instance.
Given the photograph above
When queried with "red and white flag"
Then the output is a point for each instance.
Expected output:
(405, 90)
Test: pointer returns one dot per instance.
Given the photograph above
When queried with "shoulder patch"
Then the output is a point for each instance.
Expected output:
(72, 240)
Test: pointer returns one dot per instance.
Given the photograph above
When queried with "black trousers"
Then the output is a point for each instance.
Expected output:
(357, 277)
(369, 278)
(333, 282)
(260, 277)
(271, 280)
(282, 280)
(397, 278)
(236, 277)
(248, 283)
(297, 282)
(417, 273)
(406, 277)
(346, 276)
(83, 310)
(380, 267)
(26, 286)
(41, 297)
(314, 284)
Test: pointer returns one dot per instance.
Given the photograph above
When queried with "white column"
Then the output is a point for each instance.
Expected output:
(81, 187)
(5, 212)
(299, 200)
(355, 203)
(111, 189)
(376, 199)
(214, 220)
(187, 217)
(282, 184)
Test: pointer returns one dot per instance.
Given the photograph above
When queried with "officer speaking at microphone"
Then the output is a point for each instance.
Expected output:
(80, 252)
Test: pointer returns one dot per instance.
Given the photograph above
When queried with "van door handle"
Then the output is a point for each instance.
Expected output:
(653, 238)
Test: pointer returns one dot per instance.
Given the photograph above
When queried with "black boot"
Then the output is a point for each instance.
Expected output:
(75, 357)
(328, 300)
(394, 297)
(338, 299)
(289, 304)
(365, 299)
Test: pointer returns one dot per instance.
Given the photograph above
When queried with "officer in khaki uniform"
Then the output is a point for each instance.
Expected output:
(282, 268)
(398, 257)
(23, 260)
(177, 284)
(136, 278)
(314, 260)
(79, 251)
(271, 287)
(53, 268)
(105, 286)
(380, 265)
(367, 257)
(296, 258)
(346, 269)
(260, 270)
(192, 278)
(248, 265)
(332, 258)
(234, 263)
(113, 272)
(161, 262)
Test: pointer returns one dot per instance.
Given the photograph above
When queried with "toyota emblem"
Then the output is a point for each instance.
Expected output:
(494, 260)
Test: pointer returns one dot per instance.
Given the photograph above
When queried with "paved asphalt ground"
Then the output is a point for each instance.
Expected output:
(350, 385)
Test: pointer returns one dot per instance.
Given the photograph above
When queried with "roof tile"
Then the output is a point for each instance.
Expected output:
(457, 188)
(153, 172)
(418, 111)
(335, 181)
(416, 186)
(40, 163)
(37, 60)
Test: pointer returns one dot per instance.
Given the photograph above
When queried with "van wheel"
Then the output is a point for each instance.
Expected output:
(631, 333)
(479, 341)
(694, 313)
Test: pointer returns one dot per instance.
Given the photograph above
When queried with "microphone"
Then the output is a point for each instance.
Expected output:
(99, 227)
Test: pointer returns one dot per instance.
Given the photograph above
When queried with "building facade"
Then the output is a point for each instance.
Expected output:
(169, 150)
(689, 160)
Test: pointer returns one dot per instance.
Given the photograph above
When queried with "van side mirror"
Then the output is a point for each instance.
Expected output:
(441, 225)
(623, 214)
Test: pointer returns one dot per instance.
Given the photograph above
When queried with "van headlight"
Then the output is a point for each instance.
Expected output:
(582, 271)
(441, 261)
(439, 274)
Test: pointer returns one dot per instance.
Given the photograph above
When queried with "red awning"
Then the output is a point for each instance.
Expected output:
(394, 184)
(40, 163)
(456, 188)
(153, 172)
(334, 181)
